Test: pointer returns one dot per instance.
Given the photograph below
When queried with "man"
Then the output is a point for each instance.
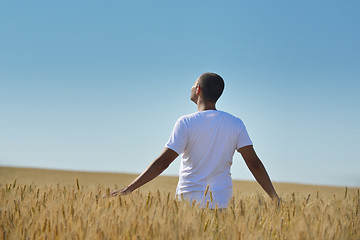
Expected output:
(207, 139)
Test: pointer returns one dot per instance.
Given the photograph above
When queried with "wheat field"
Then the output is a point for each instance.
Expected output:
(45, 204)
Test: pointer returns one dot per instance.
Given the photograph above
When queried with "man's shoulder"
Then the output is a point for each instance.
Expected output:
(232, 118)
(227, 114)
(187, 117)
(200, 114)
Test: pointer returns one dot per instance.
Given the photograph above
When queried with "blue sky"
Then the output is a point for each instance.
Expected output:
(98, 86)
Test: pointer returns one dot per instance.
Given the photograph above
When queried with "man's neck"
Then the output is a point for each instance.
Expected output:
(203, 106)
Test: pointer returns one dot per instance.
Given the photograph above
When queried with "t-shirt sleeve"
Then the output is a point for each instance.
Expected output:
(243, 137)
(178, 138)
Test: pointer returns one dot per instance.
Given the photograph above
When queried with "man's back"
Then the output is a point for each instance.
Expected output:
(208, 140)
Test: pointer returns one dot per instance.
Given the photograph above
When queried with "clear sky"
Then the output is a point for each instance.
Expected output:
(98, 85)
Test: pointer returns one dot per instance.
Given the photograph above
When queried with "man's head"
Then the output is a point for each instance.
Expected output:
(211, 86)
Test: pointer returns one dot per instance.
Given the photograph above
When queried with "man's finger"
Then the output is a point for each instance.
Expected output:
(114, 193)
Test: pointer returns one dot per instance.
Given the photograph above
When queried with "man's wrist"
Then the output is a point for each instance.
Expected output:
(129, 188)
(274, 196)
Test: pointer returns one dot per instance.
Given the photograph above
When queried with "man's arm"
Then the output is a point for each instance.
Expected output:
(258, 170)
(154, 170)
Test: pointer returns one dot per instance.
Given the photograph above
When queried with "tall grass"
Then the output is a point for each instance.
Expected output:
(77, 212)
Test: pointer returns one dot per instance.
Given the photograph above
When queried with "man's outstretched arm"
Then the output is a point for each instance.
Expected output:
(258, 170)
(154, 170)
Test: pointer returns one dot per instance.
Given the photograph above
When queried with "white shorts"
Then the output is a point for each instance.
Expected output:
(219, 199)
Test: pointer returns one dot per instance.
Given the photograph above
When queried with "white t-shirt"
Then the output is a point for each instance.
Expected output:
(207, 141)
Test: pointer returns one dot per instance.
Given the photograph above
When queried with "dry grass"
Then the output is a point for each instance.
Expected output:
(56, 206)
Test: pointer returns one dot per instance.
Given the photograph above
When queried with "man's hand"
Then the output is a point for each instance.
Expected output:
(120, 191)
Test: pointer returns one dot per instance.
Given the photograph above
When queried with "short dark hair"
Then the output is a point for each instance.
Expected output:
(212, 86)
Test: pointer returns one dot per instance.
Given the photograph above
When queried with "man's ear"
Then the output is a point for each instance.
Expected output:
(197, 90)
